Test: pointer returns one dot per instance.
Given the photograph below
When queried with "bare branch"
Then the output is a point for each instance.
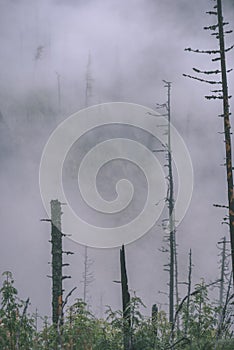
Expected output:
(215, 26)
(229, 48)
(177, 342)
(212, 27)
(215, 97)
(202, 80)
(68, 295)
(216, 59)
(209, 52)
(220, 206)
(207, 72)
(212, 13)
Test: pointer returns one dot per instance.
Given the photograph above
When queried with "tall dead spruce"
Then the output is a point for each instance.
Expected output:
(173, 266)
(219, 32)
(170, 198)
(88, 277)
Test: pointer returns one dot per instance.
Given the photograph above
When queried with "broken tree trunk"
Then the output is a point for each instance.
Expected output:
(56, 241)
(125, 302)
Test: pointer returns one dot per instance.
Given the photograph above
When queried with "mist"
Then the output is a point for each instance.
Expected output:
(133, 46)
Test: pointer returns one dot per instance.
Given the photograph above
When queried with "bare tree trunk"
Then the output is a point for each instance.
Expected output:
(85, 273)
(89, 81)
(223, 313)
(59, 91)
(57, 265)
(154, 320)
(189, 293)
(221, 290)
(222, 94)
(88, 277)
(227, 128)
(176, 278)
(56, 241)
(171, 212)
(125, 301)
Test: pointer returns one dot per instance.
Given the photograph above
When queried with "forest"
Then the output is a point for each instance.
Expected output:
(175, 288)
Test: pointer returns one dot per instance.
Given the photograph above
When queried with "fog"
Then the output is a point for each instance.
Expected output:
(133, 46)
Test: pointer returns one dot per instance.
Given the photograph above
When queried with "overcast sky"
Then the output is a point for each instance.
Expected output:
(133, 45)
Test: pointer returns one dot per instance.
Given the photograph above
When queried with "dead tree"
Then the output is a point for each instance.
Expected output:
(88, 277)
(224, 287)
(221, 92)
(85, 273)
(89, 82)
(59, 91)
(125, 302)
(57, 251)
(227, 127)
(154, 321)
(173, 266)
(222, 272)
(171, 210)
(188, 294)
(57, 262)
(225, 313)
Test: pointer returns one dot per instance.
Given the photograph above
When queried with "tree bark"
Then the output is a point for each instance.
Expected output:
(227, 128)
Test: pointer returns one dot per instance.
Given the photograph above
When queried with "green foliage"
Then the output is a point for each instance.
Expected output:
(16, 329)
(202, 320)
(82, 331)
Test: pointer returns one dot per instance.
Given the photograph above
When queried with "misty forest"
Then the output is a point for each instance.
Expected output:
(172, 287)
